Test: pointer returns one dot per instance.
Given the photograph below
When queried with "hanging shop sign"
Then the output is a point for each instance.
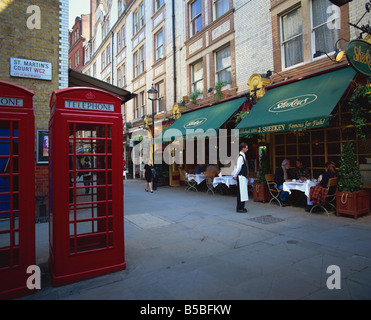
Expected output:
(359, 56)
(32, 69)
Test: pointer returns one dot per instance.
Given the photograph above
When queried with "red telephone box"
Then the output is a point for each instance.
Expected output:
(17, 189)
(86, 185)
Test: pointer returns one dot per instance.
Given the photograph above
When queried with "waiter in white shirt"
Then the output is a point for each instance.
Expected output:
(240, 174)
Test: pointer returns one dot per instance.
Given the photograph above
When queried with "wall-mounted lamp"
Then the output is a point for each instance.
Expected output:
(270, 72)
(337, 56)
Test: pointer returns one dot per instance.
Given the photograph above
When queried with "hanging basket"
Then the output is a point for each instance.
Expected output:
(352, 203)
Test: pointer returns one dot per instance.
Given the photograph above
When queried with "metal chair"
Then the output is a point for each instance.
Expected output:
(273, 189)
(330, 197)
(209, 181)
(190, 184)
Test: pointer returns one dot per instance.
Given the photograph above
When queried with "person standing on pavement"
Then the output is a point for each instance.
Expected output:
(241, 175)
(148, 175)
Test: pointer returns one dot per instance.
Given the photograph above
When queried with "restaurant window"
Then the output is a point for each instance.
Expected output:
(159, 42)
(220, 7)
(292, 38)
(160, 103)
(197, 77)
(223, 65)
(324, 30)
(195, 17)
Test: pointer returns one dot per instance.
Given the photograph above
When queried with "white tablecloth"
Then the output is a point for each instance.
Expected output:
(196, 177)
(227, 180)
(298, 185)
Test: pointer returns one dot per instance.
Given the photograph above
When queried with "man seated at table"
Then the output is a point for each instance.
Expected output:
(300, 172)
(200, 168)
(281, 176)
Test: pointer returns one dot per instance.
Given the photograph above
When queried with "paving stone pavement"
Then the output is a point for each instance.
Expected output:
(192, 245)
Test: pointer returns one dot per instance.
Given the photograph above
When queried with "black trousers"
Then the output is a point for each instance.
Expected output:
(240, 204)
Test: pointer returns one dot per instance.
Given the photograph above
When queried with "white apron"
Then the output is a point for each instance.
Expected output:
(244, 195)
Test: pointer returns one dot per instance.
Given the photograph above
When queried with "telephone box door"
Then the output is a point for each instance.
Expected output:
(17, 194)
(87, 235)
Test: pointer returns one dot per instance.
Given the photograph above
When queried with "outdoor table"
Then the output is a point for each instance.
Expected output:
(227, 180)
(301, 186)
(196, 177)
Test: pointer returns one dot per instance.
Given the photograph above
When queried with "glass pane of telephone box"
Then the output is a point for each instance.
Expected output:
(90, 174)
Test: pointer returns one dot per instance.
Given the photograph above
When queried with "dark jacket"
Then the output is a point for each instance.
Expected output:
(326, 176)
(278, 176)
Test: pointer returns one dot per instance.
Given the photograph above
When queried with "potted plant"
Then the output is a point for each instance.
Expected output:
(260, 189)
(194, 95)
(218, 90)
(351, 199)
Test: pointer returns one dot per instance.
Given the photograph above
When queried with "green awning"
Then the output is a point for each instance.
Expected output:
(303, 104)
(197, 122)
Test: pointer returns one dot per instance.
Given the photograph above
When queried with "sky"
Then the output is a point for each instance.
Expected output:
(78, 7)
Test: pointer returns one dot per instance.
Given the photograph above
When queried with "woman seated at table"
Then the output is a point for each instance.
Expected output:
(281, 176)
(330, 172)
(318, 193)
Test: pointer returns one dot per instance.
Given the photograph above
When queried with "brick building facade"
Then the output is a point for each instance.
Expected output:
(24, 37)
(78, 37)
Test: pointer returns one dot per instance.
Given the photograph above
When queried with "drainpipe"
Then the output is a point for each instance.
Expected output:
(113, 57)
(174, 48)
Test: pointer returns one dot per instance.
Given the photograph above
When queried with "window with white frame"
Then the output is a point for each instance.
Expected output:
(87, 53)
(139, 62)
(121, 6)
(121, 40)
(142, 104)
(77, 58)
(159, 42)
(105, 29)
(160, 103)
(324, 26)
(108, 54)
(220, 7)
(195, 13)
(95, 70)
(136, 107)
(223, 62)
(121, 79)
(197, 77)
(158, 4)
(138, 18)
(103, 59)
(292, 38)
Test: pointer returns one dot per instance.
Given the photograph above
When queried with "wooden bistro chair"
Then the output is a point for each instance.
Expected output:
(273, 188)
(330, 197)
(209, 175)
